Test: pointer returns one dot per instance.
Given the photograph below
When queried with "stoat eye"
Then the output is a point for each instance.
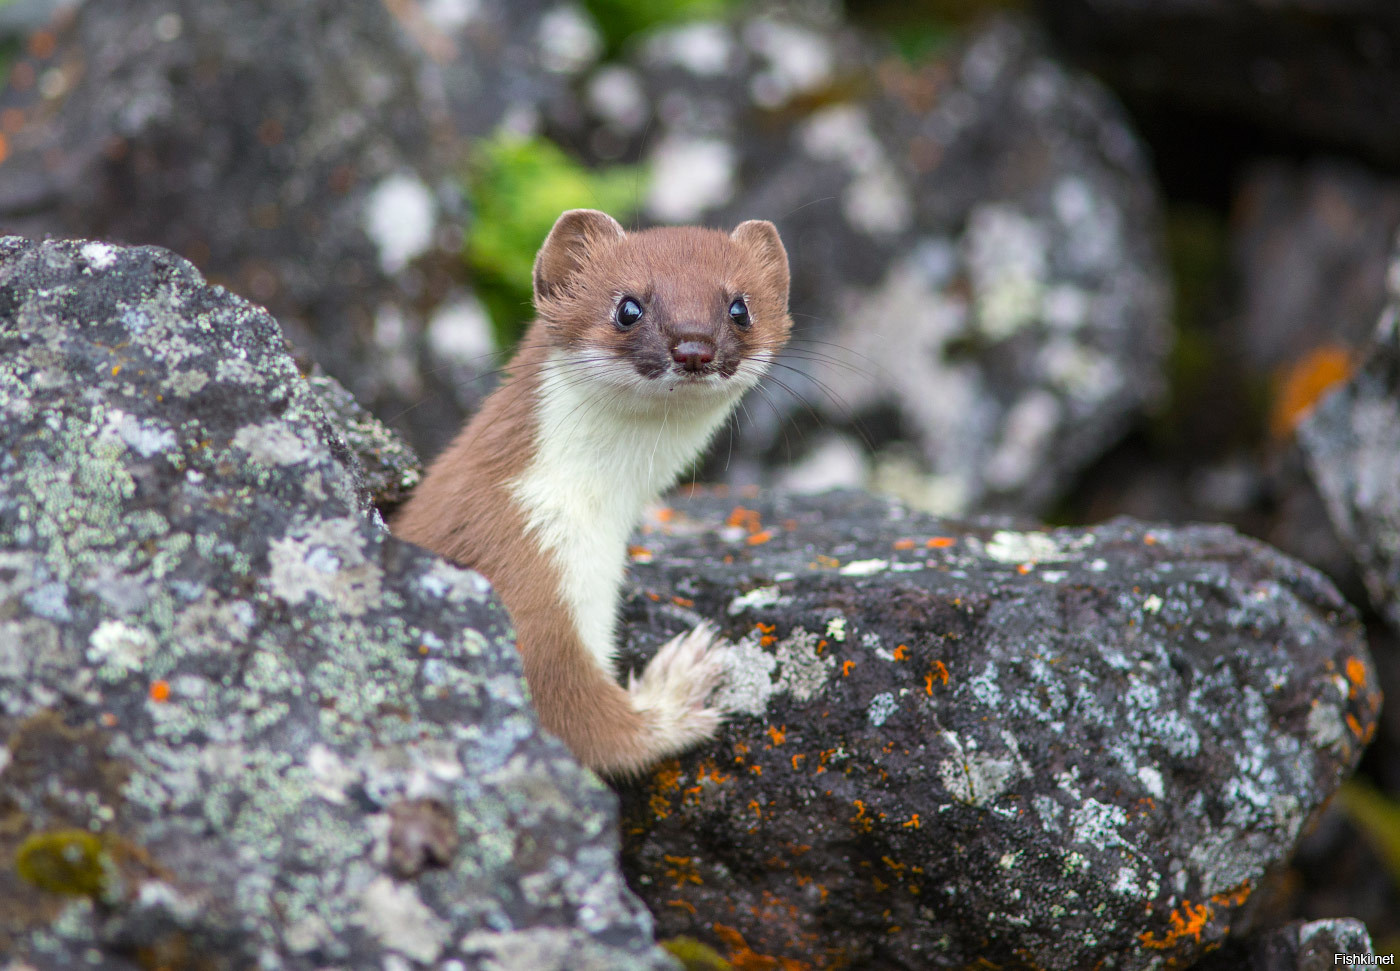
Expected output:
(739, 312)
(629, 311)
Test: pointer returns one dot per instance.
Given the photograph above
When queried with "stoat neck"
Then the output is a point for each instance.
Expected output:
(598, 462)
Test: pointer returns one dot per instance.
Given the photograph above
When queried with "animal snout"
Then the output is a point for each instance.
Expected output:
(693, 354)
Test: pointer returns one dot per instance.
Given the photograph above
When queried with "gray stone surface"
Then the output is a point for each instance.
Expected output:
(303, 154)
(978, 293)
(294, 741)
(1300, 945)
(1062, 749)
(1352, 445)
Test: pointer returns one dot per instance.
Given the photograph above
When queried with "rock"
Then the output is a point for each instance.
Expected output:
(974, 247)
(302, 154)
(1311, 244)
(1297, 946)
(388, 465)
(1351, 441)
(1322, 72)
(243, 726)
(1062, 749)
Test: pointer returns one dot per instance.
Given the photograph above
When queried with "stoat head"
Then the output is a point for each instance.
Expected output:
(679, 310)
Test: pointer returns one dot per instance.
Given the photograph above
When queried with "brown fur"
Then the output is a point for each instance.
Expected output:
(464, 509)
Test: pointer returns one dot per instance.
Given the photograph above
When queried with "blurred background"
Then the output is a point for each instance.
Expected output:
(1053, 261)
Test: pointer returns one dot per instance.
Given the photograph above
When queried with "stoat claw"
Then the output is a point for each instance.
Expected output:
(674, 691)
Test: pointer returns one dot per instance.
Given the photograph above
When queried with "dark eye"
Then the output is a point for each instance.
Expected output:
(739, 312)
(629, 311)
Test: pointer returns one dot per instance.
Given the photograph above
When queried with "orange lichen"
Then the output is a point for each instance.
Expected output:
(796, 759)
(829, 562)
(1356, 674)
(756, 769)
(901, 652)
(108, 719)
(939, 671)
(745, 518)
(846, 667)
(160, 691)
(1188, 920)
(904, 544)
(709, 772)
(1301, 386)
(778, 735)
(1150, 540)
(1355, 725)
(683, 870)
(912, 823)
(683, 905)
(940, 542)
(760, 537)
(1025, 568)
(665, 514)
(639, 553)
(682, 602)
(757, 808)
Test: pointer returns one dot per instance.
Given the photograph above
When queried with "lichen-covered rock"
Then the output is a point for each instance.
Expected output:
(300, 153)
(1297, 946)
(1064, 749)
(1352, 445)
(974, 248)
(389, 465)
(243, 726)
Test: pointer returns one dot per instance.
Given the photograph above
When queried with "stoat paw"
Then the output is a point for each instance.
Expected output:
(674, 691)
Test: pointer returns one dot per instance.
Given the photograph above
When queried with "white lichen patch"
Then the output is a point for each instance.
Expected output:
(689, 176)
(117, 649)
(802, 670)
(755, 599)
(881, 707)
(455, 583)
(99, 256)
(1325, 725)
(395, 915)
(1007, 258)
(836, 629)
(864, 568)
(703, 48)
(273, 442)
(1097, 823)
(325, 557)
(460, 332)
(567, 39)
(799, 60)
(143, 436)
(399, 217)
(748, 680)
(1006, 546)
(976, 778)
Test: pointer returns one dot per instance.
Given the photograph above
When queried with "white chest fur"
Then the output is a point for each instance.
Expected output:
(607, 444)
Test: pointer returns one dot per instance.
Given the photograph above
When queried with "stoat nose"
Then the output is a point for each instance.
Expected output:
(693, 354)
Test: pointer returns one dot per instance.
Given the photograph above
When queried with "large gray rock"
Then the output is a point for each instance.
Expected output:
(978, 292)
(1352, 445)
(1064, 749)
(302, 154)
(243, 726)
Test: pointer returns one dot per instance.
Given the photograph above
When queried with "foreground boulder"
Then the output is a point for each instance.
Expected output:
(242, 726)
(1066, 749)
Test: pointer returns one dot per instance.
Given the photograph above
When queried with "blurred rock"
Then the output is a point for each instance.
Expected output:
(1298, 946)
(301, 154)
(1321, 71)
(243, 726)
(1311, 246)
(1352, 445)
(1061, 749)
(974, 246)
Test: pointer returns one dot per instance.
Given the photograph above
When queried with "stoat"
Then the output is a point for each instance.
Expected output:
(642, 345)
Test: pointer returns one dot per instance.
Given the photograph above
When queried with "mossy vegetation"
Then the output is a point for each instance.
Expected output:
(695, 955)
(67, 861)
(518, 187)
(620, 20)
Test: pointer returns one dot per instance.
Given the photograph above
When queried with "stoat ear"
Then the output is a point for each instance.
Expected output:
(566, 249)
(760, 238)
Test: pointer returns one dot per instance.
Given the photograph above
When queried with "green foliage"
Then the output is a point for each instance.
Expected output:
(695, 956)
(519, 186)
(63, 861)
(1378, 817)
(619, 20)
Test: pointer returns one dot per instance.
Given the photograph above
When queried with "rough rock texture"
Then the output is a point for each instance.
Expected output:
(973, 244)
(243, 726)
(1061, 750)
(1297, 946)
(1321, 70)
(1352, 445)
(299, 153)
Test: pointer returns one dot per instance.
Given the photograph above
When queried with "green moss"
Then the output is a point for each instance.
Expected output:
(63, 861)
(695, 956)
(620, 20)
(519, 186)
